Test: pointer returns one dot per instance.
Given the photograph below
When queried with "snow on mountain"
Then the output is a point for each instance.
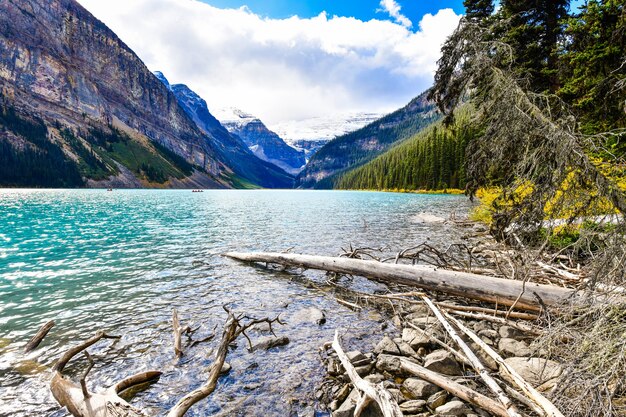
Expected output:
(264, 143)
(322, 128)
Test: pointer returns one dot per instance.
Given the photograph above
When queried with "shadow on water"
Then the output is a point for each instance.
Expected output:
(121, 261)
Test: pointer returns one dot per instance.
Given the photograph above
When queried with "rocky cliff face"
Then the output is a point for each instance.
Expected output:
(62, 66)
(230, 147)
(356, 148)
(264, 143)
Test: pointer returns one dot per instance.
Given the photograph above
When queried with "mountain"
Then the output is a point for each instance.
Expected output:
(264, 143)
(433, 159)
(309, 135)
(356, 148)
(231, 148)
(79, 108)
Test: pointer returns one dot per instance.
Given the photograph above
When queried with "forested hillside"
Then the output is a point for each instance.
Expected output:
(431, 160)
(357, 148)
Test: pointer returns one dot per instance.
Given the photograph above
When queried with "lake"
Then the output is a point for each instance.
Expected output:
(120, 261)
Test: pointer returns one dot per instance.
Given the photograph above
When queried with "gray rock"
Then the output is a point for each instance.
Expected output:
(443, 362)
(453, 408)
(374, 378)
(355, 356)
(535, 371)
(512, 347)
(386, 345)
(226, 368)
(364, 370)
(271, 343)
(490, 333)
(437, 399)
(388, 363)
(414, 338)
(405, 348)
(419, 389)
(334, 367)
(412, 406)
(425, 322)
(511, 333)
(479, 326)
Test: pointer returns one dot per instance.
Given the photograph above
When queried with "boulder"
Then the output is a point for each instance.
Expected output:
(443, 362)
(386, 345)
(389, 364)
(414, 338)
(512, 347)
(405, 348)
(511, 333)
(453, 408)
(412, 406)
(419, 389)
(535, 371)
(271, 343)
(437, 399)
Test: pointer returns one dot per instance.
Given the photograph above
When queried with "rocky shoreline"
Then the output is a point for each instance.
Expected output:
(418, 337)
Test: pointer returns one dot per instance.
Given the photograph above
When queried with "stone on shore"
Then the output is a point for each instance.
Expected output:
(443, 362)
(535, 371)
(419, 389)
(512, 347)
(386, 345)
(453, 408)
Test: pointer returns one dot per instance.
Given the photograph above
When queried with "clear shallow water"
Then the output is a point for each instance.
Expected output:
(120, 261)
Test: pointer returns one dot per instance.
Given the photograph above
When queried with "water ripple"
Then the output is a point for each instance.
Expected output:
(120, 261)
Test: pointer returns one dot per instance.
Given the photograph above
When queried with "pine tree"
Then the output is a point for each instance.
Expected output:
(534, 31)
(478, 9)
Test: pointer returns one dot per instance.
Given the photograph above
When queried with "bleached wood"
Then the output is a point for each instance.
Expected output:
(463, 284)
(476, 363)
(528, 389)
(38, 337)
(370, 392)
(454, 388)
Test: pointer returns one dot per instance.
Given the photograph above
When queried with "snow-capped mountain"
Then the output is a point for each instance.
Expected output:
(264, 143)
(323, 128)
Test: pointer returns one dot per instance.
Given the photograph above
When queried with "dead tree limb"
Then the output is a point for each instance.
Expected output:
(233, 328)
(454, 388)
(370, 392)
(549, 408)
(476, 363)
(229, 335)
(82, 403)
(38, 337)
(463, 284)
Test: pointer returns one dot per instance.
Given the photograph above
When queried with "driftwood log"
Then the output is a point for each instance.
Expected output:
(511, 409)
(370, 392)
(478, 287)
(445, 383)
(81, 403)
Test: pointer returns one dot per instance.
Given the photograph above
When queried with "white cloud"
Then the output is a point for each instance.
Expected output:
(280, 69)
(393, 8)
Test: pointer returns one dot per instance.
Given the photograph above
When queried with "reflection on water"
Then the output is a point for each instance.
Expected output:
(120, 261)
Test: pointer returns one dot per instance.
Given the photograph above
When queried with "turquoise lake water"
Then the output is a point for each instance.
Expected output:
(120, 261)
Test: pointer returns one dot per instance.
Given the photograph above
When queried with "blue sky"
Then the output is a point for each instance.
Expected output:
(360, 9)
(335, 57)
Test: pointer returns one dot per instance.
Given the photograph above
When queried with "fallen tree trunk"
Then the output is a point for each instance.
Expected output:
(478, 287)
(81, 403)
